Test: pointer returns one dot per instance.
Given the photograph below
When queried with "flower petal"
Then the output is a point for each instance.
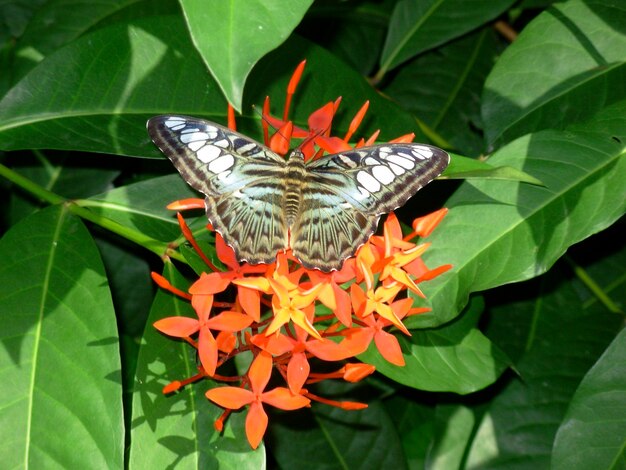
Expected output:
(260, 371)
(389, 347)
(232, 398)
(282, 398)
(256, 424)
(207, 351)
(250, 301)
(181, 327)
(229, 321)
(298, 371)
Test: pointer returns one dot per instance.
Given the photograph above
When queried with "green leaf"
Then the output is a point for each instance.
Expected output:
(454, 426)
(499, 232)
(330, 437)
(466, 168)
(61, 384)
(583, 46)
(113, 80)
(122, 75)
(443, 89)
(418, 26)
(415, 424)
(453, 358)
(593, 432)
(358, 30)
(177, 429)
(564, 338)
(142, 206)
(56, 23)
(233, 35)
(61, 176)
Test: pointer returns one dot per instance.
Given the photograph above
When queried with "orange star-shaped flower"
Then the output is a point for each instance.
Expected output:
(236, 397)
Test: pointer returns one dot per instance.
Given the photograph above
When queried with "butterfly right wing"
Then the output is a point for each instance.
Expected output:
(242, 182)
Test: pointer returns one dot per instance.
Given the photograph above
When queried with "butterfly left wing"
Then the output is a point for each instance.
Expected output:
(241, 179)
(346, 193)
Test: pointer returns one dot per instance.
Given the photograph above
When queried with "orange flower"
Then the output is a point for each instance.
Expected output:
(235, 398)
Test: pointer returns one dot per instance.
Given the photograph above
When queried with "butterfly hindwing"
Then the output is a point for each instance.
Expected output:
(242, 182)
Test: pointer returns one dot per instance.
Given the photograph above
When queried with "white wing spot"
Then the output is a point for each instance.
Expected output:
(403, 162)
(383, 174)
(422, 152)
(221, 143)
(345, 205)
(172, 122)
(385, 149)
(189, 130)
(221, 164)
(193, 146)
(180, 126)
(371, 161)
(368, 182)
(363, 194)
(396, 169)
(186, 138)
(208, 153)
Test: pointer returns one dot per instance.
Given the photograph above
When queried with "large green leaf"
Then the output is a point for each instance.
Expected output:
(418, 26)
(567, 64)
(232, 35)
(443, 90)
(499, 232)
(564, 337)
(61, 392)
(177, 430)
(116, 78)
(593, 433)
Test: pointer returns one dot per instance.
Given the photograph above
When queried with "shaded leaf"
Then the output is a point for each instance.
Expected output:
(593, 432)
(564, 339)
(233, 35)
(60, 356)
(443, 89)
(418, 26)
(583, 46)
(332, 438)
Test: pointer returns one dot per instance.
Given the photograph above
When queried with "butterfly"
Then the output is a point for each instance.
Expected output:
(262, 203)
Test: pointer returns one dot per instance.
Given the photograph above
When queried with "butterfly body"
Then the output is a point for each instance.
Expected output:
(262, 204)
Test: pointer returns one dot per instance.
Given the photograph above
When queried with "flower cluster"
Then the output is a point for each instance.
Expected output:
(276, 313)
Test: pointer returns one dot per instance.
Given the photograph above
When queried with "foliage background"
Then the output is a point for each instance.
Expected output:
(521, 362)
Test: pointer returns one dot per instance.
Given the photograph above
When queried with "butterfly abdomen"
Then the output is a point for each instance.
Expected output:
(294, 182)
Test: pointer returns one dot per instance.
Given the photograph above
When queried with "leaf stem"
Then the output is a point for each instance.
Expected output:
(160, 248)
(591, 284)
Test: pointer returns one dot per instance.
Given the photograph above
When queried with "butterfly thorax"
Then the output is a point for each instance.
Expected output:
(294, 182)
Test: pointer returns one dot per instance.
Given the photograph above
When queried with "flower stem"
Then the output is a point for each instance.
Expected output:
(160, 248)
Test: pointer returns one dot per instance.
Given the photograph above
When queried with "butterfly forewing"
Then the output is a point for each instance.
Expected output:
(242, 182)
(337, 200)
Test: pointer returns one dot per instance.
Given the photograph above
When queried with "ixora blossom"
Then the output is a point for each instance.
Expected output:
(289, 317)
